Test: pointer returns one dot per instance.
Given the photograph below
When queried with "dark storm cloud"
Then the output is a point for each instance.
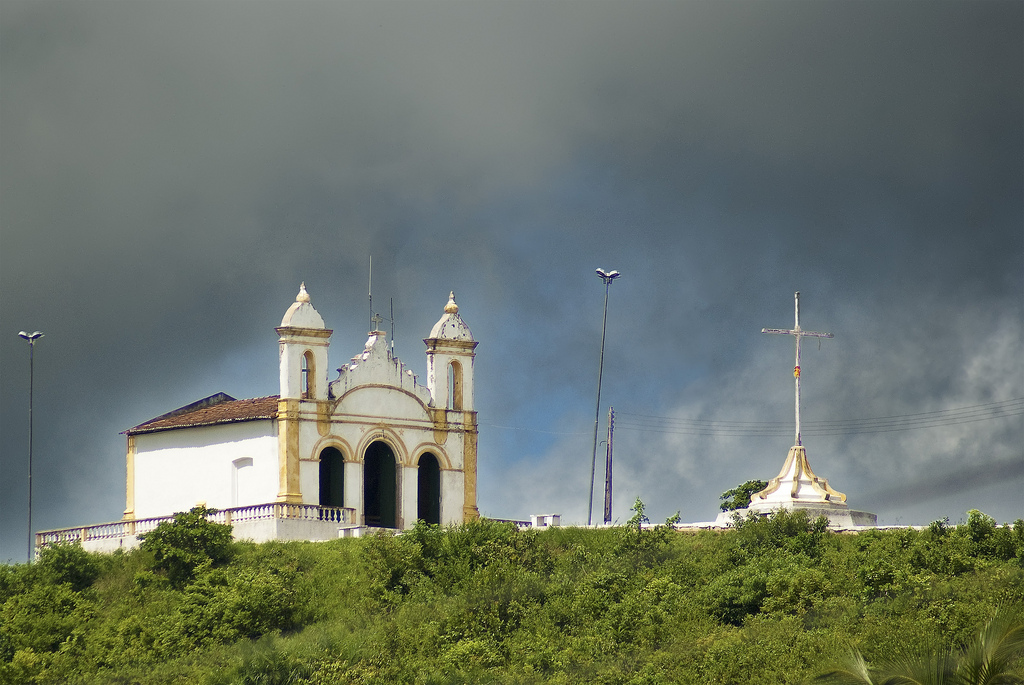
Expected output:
(171, 171)
(946, 484)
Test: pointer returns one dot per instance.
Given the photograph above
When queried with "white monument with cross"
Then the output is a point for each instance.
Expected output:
(796, 486)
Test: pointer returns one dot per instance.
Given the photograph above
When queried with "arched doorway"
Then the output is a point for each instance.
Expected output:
(428, 491)
(332, 478)
(379, 486)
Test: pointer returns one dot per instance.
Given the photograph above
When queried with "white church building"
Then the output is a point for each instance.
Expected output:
(324, 458)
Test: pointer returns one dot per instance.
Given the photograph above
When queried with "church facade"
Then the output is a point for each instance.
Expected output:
(371, 448)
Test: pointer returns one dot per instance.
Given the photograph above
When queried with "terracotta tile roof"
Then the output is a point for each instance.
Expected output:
(219, 408)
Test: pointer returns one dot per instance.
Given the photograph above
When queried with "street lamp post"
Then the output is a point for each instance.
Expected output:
(31, 338)
(607, 277)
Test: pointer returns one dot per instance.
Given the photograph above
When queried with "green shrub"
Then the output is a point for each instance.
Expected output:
(69, 563)
(640, 544)
(187, 542)
(737, 594)
(45, 618)
(224, 605)
(784, 529)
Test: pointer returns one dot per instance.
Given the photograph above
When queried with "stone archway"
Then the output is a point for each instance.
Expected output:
(332, 477)
(428, 490)
(380, 491)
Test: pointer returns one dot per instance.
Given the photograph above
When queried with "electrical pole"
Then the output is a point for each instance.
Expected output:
(608, 468)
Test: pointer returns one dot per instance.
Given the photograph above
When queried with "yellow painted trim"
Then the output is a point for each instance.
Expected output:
(290, 333)
(443, 460)
(798, 453)
(469, 446)
(464, 347)
(323, 417)
(129, 508)
(383, 433)
(289, 488)
(335, 441)
(364, 386)
(440, 417)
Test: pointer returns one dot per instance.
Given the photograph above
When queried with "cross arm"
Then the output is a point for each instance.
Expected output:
(784, 331)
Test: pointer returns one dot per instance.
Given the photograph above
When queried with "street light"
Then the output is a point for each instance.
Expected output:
(31, 338)
(607, 277)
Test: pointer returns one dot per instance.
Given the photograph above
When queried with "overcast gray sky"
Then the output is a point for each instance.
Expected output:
(171, 170)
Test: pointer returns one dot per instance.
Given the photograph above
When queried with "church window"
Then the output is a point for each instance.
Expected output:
(332, 478)
(454, 385)
(307, 382)
(428, 491)
(380, 491)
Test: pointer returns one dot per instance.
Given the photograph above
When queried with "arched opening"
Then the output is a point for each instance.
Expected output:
(243, 483)
(307, 383)
(332, 478)
(428, 491)
(454, 385)
(380, 486)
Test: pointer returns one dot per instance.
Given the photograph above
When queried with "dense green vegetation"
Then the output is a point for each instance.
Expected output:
(779, 600)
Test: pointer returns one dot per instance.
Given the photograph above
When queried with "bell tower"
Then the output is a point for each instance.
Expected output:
(450, 353)
(303, 351)
(303, 364)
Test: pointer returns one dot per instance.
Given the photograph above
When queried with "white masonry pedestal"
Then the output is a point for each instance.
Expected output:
(796, 487)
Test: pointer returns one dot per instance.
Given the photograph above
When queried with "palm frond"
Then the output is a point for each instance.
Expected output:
(853, 671)
(991, 655)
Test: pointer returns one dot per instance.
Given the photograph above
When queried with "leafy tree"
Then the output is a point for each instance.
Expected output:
(69, 563)
(739, 496)
(189, 541)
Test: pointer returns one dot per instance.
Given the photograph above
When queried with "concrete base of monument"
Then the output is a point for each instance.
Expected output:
(840, 516)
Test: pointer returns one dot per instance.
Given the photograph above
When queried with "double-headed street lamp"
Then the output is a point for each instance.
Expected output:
(607, 277)
(31, 338)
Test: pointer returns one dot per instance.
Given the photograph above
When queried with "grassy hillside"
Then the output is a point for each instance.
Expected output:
(776, 601)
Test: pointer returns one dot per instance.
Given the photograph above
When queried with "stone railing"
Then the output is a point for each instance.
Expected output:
(135, 527)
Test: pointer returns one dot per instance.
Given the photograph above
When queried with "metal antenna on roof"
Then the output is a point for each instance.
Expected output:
(392, 325)
(369, 292)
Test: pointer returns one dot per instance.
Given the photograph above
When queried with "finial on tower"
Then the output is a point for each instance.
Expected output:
(451, 326)
(301, 313)
(451, 307)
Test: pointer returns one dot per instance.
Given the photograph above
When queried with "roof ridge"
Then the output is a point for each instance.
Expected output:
(216, 409)
(214, 399)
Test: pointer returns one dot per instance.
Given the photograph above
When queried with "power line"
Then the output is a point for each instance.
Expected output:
(881, 424)
(932, 419)
(533, 430)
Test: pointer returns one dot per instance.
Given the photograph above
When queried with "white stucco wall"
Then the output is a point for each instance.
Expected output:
(177, 469)
(453, 485)
(385, 402)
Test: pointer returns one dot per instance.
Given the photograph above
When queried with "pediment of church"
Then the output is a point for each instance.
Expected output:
(377, 367)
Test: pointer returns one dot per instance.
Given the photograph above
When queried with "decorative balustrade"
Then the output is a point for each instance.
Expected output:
(257, 512)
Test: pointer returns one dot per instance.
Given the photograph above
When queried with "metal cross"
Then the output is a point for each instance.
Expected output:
(376, 320)
(798, 333)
